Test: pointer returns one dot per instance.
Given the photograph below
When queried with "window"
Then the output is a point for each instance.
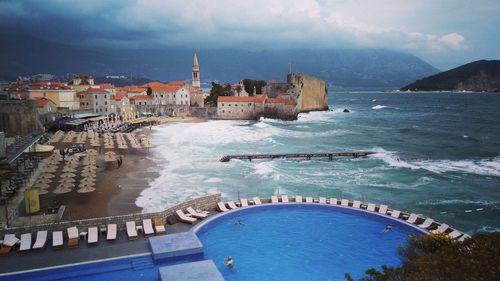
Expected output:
(106, 109)
(105, 103)
(236, 104)
(104, 96)
(87, 104)
(161, 96)
(222, 104)
(229, 105)
(249, 104)
(223, 111)
(242, 110)
(96, 103)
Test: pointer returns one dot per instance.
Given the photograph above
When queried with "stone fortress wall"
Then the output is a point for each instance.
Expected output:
(19, 118)
(310, 92)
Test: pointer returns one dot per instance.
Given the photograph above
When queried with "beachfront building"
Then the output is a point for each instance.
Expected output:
(46, 110)
(59, 93)
(143, 100)
(121, 105)
(174, 93)
(133, 91)
(245, 108)
(100, 101)
(81, 83)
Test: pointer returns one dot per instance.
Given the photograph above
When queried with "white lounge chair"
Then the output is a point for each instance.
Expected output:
(322, 200)
(371, 207)
(442, 228)
(356, 204)
(344, 202)
(41, 239)
(111, 232)
(131, 230)
(284, 198)
(57, 239)
(465, 236)
(232, 205)
(412, 218)
(298, 199)
(159, 226)
(274, 199)
(147, 228)
(73, 237)
(243, 202)
(382, 209)
(395, 214)
(196, 214)
(427, 223)
(184, 218)
(309, 199)
(25, 242)
(222, 207)
(9, 241)
(257, 201)
(333, 201)
(92, 235)
(454, 234)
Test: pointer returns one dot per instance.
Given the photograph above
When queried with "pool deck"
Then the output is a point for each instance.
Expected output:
(49, 257)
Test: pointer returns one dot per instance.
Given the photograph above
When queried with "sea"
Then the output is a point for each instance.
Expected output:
(437, 154)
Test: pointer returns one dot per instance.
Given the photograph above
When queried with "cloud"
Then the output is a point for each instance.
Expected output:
(394, 24)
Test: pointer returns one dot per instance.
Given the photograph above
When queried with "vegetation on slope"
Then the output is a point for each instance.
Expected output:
(476, 76)
(437, 257)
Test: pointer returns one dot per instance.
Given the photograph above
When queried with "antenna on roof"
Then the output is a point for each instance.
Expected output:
(290, 66)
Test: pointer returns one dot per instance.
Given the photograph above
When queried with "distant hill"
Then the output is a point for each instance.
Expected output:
(120, 82)
(478, 76)
(360, 68)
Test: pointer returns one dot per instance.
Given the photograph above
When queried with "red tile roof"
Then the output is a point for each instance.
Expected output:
(160, 87)
(177, 83)
(119, 95)
(41, 102)
(105, 86)
(141, 97)
(53, 86)
(257, 98)
(134, 89)
(95, 90)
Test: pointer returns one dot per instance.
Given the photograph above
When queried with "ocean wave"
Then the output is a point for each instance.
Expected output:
(484, 167)
(378, 106)
(457, 202)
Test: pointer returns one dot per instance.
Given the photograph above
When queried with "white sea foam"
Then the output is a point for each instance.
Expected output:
(264, 168)
(378, 106)
(458, 202)
(485, 167)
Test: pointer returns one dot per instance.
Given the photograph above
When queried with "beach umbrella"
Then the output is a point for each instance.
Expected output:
(71, 166)
(91, 150)
(42, 185)
(46, 176)
(90, 181)
(68, 170)
(43, 181)
(83, 188)
(61, 189)
(88, 173)
(67, 175)
(42, 191)
(67, 180)
(48, 170)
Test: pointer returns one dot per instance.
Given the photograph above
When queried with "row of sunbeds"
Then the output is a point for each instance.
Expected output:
(73, 236)
(427, 223)
(192, 215)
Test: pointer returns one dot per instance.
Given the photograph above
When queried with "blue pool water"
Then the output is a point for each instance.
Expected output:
(301, 242)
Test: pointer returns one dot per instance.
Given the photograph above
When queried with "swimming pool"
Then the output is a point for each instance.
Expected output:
(301, 242)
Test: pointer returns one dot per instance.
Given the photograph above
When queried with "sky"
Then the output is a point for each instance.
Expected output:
(445, 33)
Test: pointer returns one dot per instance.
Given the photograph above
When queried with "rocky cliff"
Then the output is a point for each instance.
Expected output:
(478, 76)
(310, 92)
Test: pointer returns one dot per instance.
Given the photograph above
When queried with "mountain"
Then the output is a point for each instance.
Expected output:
(478, 76)
(361, 68)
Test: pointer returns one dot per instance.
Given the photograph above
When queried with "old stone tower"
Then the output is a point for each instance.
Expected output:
(196, 72)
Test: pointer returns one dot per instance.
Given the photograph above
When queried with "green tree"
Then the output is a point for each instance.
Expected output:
(437, 257)
(249, 84)
(216, 91)
(149, 91)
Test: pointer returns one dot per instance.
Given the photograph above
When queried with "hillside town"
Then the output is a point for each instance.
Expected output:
(81, 101)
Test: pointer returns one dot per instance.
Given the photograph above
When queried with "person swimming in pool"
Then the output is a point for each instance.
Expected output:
(229, 262)
(239, 222)
(387, 228)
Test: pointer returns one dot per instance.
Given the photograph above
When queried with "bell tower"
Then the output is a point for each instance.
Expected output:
(196, 72)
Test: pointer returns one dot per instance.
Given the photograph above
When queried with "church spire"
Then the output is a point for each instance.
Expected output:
(196, 72)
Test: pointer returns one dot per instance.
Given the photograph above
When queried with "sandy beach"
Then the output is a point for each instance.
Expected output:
(116, 188)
